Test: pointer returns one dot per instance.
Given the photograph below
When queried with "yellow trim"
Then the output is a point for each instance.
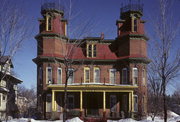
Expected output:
(81, 100)
(104, 101)
(94, 90)
(132, 95)
(65, 31)
(47, 23)
(86, 80)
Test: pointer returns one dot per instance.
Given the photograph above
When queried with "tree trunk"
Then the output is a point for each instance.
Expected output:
(65, 99)
(164, 105)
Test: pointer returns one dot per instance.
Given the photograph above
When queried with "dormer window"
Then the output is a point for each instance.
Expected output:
(134, 24)
(91, 50)
(48, 23)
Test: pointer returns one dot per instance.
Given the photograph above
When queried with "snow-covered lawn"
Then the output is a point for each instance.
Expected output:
(172, 117)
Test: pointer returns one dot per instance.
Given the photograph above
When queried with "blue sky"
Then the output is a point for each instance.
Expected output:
(103, 14)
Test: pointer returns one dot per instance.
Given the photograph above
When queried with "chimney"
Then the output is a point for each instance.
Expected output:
(102, 36)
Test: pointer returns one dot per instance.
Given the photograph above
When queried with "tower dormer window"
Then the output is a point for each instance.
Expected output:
(48, 23)
(91, 50)
(135, 25)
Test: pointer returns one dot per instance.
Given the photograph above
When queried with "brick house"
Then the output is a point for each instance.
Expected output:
(108, 78)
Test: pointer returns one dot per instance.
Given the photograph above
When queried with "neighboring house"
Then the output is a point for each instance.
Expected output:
(111, 79)
(22, 104)
(8, 89)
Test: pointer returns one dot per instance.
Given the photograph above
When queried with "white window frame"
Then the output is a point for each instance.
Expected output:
(59, 69)
(71, 81)
(85, 79)
(95, 68)
(133, 75)
(135, 103)
(126, 77)
(72, 104)
(112, 73)
(49, 81)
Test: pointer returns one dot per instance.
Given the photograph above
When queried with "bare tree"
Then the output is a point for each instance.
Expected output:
(13, 29)
(165, 59)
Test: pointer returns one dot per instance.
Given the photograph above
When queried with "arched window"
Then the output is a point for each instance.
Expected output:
(135, 25)
(86, 74)
(70, 76)
(59, 76)
(135, 76)
(112, 76)
(124, 76)
(96, 75)
(49, 75)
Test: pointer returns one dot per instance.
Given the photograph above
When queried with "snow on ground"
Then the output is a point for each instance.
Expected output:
(172, 117)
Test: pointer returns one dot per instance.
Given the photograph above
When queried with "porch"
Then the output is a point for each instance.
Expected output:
(94, 102)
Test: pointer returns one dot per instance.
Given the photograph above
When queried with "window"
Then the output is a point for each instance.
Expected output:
(70, 76)
(135, 103)
(86, 74)
(96, 75)
(0, 99)
(91, 50)
(4, 97)
(135, 25)
(125, 102)
(124, 76)
(113, 103)
(49, 75)
(94, 50)
(135, 76)
(48, 23)
(70, 102)
(143, 76)
(59, 76)
(40, 73)
(112, 75)
(48, 103)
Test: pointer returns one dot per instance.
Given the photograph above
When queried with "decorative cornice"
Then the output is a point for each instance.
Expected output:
(50, 35)
(136, 60)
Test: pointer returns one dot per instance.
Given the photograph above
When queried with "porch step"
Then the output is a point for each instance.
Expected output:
(91, 119)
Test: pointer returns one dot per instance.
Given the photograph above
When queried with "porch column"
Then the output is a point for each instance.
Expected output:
(104, 101)
(132, 98)
(53, 108)
(130, 102)
(81, 101)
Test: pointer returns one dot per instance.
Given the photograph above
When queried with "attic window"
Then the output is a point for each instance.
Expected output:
(91, 50)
